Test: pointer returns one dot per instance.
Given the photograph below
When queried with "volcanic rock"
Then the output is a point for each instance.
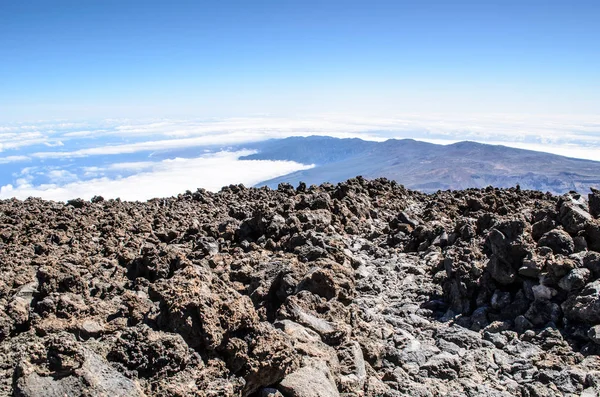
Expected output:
(362, 288)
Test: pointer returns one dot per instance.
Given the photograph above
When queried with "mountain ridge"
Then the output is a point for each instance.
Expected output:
(426, 166)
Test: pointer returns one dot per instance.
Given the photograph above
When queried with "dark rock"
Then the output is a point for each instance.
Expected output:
(559, 241)
(594, 202)
(573, 218)
(594, 334)
(591, 261)
(542, 227)
(501, 271)
(359, 289)
(592, 233)
(576, 279)
(585, 305)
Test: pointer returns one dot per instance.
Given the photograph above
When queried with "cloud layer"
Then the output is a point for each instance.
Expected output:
(65, 159)
(160, 179)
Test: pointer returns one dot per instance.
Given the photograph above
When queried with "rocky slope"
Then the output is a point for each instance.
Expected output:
(425, 166)
(359, 289)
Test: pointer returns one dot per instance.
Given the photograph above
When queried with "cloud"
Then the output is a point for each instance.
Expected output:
(61, 176)
(165, 178)
(111, 137)
(13, 159)
(88, 153)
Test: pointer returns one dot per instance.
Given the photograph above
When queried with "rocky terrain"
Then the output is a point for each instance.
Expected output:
(358, 289)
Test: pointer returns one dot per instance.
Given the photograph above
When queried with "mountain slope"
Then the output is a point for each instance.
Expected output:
(428, 167)
(364, 288)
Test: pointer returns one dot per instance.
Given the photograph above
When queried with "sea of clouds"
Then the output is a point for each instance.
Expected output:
(142, 159)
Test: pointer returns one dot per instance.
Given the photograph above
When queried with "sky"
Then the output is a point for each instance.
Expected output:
(131, 58)
(97, 96)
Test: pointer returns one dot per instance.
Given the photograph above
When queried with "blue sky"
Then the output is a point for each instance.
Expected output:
(97, 59)
(97, 96)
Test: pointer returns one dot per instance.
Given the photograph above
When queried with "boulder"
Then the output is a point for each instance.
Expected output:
(573, 218)
(312, 380)
(594, 202)
(74, 370)
(594, 334)
(584, 306)
(576, 279)
(501, 271)
(559, 241)
(353, 373)
(443, 366)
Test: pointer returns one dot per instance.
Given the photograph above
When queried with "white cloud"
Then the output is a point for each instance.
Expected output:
(165, 178)
(575, 151)
(54, 144)
(173, 134)
(12, 159)
(133, 166)
(564, 135)
(61, 176)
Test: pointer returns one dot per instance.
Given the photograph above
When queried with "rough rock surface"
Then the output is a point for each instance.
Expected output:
(359, 289)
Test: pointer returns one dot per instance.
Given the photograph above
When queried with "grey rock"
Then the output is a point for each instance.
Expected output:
(576, 279)
(594, 334)
(522, 324)
(443, 366)
(313, 380)
(573, 218)
(353, 373)
(95, 377)
(585, 305)
(270, 392)
(329, 331)
(542, 292)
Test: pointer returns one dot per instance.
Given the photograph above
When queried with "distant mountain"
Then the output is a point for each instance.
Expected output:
(425, 166)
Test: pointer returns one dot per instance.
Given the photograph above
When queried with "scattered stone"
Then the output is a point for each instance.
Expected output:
(358, 289)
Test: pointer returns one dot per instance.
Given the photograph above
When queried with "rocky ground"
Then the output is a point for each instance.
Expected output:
(359, 289)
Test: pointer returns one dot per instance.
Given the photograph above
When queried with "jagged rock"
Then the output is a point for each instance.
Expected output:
(542, 227)
(559, 241)
(542, 312)
(362, 288)
(330, 332)
(68, 369)
(573, 217)
(594, 202)
(501, 271)
(594, 334)
(312, 380)
(522, 324)
(592, 231)
(443, 366)
(576, 279)
(353, 373)
(584, 306)
(532, 265)
(591, 261)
